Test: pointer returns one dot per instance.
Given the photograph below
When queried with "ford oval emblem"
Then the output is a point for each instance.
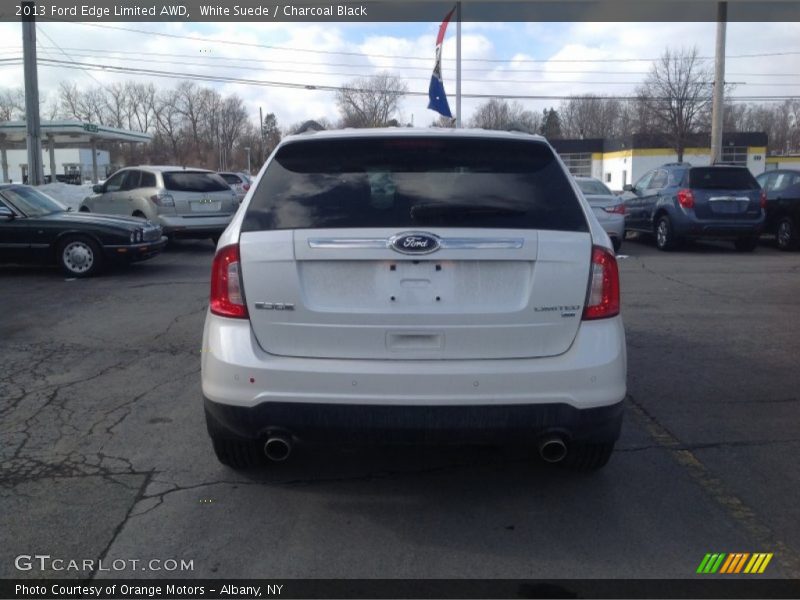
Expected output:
(414, 242)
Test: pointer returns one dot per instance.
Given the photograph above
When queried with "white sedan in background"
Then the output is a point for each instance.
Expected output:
(608, 208)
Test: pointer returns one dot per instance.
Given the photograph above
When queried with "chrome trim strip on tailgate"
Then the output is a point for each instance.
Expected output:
(444, 243)
(728, 199)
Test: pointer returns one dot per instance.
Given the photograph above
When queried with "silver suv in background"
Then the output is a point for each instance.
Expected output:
(185, 202)
(239, 182)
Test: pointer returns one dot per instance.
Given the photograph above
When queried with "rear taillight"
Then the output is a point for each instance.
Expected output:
(162, 200)
(763, 199)
(602, 298)
(686, 198)
(618, 209)
(227, 299)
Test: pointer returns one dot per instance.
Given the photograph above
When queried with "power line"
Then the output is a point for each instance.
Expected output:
(339, 74)
(93, 52)
(328, 88)
(359, 75)
(44, 33)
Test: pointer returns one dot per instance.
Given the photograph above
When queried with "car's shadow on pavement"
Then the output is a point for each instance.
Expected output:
(317, 463)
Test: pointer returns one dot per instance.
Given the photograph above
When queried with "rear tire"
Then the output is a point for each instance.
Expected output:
(746, 244)
(84, 209)
(617, 243)
(587, 457)
(238, 454)
(787, 235)
(665, 238)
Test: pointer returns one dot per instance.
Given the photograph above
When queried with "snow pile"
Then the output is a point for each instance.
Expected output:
(71, 195)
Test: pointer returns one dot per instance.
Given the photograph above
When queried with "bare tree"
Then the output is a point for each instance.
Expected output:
(497, 113)
(12, 104)
(168, 122)
(142, 99)
(678, 90)
(117, 104)
(370, 102)
(591, 116)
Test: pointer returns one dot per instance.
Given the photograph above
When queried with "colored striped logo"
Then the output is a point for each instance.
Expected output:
(737, 562)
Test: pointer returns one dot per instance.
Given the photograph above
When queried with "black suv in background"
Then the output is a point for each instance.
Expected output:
(783, 206)
(678, 201)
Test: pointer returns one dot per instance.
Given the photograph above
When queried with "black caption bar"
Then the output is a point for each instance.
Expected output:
(176, 589)
(398, 10)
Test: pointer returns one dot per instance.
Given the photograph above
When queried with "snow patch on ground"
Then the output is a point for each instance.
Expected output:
(71, 195)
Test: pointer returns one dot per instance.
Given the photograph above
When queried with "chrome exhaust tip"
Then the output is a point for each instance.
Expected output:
(278, 448)
(552, 449)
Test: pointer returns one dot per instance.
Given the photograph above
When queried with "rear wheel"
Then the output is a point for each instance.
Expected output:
(665, 238)
(617, 243)
(238, 454)
(83, 209)
(79, 256)
(747, 244)
(787, 237)
(587, 457)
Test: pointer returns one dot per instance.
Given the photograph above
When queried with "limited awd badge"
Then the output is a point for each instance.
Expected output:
(415, 242)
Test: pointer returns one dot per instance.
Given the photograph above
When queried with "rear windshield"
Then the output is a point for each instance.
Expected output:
(412, 182)
(716, 178)
(592, 187)
(230, 178)
(194, 181)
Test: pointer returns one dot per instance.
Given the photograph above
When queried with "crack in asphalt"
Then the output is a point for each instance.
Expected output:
(121, 525)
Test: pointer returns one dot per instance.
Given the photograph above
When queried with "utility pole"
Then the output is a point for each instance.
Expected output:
(33, 124)
(718, 101)
(458, 65)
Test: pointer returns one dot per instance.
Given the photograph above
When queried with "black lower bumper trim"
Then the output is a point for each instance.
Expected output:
(415, 424)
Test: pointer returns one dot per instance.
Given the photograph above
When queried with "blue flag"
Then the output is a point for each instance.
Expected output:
(437, 98)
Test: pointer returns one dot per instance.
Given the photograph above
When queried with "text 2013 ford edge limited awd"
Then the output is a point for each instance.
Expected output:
(402, 285)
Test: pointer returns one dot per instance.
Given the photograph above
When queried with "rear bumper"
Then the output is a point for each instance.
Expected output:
(414, 424)
(718, 229)
(194, 225)
(249, 392)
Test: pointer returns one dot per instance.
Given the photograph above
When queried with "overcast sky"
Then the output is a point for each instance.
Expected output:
(496, 58)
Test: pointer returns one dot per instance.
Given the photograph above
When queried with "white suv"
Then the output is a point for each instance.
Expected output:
(401, 285)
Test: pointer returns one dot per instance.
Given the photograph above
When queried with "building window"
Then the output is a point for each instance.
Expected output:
(734, 155)
(579, 164)
(608, 177)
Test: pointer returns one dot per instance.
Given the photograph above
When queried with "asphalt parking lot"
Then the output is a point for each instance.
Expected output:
(105, 453)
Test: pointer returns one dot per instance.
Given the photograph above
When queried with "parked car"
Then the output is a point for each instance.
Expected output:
(607, 206)
(678, 201)
(35, 228)
(414, 285)
(783, 206)
(239, 182)
(191, 203)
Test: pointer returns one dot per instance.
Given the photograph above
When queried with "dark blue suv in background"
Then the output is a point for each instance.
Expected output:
(678, 201)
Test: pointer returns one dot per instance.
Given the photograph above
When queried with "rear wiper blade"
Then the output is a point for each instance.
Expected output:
(448, 209)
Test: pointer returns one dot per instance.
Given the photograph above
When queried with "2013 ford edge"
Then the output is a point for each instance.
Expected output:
(401, 285)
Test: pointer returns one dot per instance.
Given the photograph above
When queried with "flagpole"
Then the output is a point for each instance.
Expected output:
(458, 64)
